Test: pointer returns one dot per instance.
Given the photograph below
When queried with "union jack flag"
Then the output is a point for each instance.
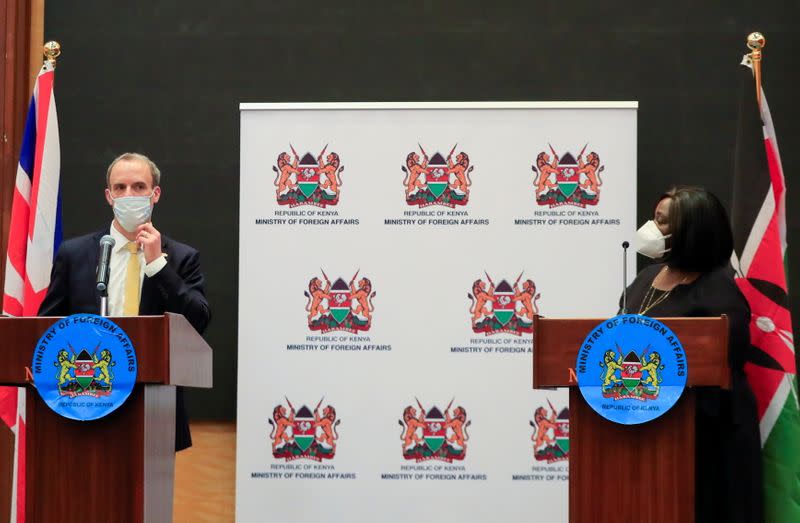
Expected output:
(35, 231)
(34, 236)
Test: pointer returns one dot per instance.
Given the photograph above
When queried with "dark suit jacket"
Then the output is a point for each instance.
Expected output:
(178, 287)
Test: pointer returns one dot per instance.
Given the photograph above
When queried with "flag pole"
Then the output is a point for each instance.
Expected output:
(756, 42)
(52, 50)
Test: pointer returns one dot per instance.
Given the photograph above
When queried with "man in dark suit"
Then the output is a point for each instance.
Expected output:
(150, 274)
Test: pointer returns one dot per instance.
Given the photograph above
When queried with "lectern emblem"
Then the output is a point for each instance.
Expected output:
(437, 180)
(308, 180)
(339, 305)
(632, 377)
(84, 374)
(551, 434)
(565, 180)
(433, 434)
(303, 433)
(503, 307)
(84, 366)
(631, 369)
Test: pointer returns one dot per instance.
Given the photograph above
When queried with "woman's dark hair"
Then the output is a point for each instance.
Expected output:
(701, 238)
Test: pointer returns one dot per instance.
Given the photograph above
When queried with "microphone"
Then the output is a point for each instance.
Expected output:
(106, 244)
(625, 246)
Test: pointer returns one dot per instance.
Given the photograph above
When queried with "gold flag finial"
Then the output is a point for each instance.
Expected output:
(756, 42)
(52, 50)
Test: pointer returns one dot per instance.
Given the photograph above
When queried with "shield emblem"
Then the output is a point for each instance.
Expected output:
(631, 371)
(567, 177)
(436, 175)
(308, 175)
(562, 430)
(504, 304)
(340, 300)
(84, 369)
(303, 428)
(434, 431)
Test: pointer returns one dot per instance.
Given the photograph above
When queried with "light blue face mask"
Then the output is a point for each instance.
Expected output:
(132, 211)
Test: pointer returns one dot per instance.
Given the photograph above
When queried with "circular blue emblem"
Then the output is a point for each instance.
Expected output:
(84, 367)
(631, 369)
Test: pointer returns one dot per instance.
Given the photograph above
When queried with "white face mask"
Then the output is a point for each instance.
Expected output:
(132, 211)
(651, 242)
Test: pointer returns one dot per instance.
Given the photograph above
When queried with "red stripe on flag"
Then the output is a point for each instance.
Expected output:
(767, 263)
(775, 170)
(45, 86)
(17, 233)
(8, 405)
(765, 383)
(12, 306)
(767, 321)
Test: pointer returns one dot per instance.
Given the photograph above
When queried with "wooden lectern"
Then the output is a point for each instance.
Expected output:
(120, 467)
(642, 473)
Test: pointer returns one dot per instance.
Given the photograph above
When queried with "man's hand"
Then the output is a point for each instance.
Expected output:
(150, 239)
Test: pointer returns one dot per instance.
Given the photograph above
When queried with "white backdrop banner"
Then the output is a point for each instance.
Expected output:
(392, 257)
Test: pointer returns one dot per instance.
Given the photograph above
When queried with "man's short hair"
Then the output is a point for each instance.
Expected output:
(154, 171)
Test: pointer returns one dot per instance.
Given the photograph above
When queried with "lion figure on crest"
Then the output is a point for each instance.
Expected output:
(286, 168)
(281, 427)
(546, 175)
(413, 425)
(325, 427)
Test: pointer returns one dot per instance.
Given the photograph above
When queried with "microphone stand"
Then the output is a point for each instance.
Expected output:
(103, 268)
(104, 304)
(625, 277)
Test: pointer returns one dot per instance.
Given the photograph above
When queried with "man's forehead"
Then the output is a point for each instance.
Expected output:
(130, 171)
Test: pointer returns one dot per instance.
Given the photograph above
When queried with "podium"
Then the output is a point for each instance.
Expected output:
(120, 467)
(639, 472)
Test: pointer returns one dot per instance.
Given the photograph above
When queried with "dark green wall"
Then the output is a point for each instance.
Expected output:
(165, 78)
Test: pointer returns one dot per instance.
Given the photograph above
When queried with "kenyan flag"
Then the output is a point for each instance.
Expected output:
(434, 430)
(759, 261)
(308, 175)
(631, 371)
(503, 302)
(340, 300)
(436, 176)
(84, 369)
(303, 428)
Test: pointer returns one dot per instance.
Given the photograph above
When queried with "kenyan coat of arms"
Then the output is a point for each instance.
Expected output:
(433, 434)
(565, 180)
(308, 180)
(303, 433)
(631, 377)
(337, 305)
(84, 374)
(437, 180)
(550, 434)
(503, 307)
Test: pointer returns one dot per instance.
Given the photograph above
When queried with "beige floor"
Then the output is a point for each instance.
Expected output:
(205, 475)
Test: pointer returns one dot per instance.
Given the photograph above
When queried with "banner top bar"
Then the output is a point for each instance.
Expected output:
(436, 105)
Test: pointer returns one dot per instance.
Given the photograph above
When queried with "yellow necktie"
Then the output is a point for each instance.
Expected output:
(130, 305)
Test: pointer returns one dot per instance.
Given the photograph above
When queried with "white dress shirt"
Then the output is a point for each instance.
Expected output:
(118, 270)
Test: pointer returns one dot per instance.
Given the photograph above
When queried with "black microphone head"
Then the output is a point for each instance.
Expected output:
(107, 240)
(625, 245)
